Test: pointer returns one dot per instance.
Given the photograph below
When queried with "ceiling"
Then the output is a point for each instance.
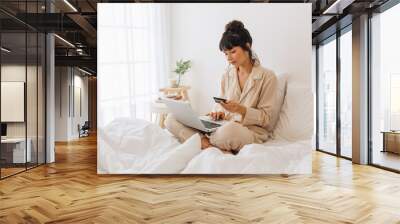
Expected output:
(76, 22)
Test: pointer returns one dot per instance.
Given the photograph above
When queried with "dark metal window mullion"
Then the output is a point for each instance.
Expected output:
(317, 96)
(45, 94)
(37, 90)
(369, 88)
(45, 88)
(26, 87)
(338, 98)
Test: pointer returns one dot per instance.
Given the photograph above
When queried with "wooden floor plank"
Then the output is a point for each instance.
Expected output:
(70, 191)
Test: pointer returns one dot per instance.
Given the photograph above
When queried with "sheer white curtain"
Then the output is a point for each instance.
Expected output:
(133, 54)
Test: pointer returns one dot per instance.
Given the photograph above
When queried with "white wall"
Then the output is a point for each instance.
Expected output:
(66, 119)
(80, 82)
(15, 72)
(281, 38)
(12, 100)
(34, 126)
(12, 73)
(61, 103)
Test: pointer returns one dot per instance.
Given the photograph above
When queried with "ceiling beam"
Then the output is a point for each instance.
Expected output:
(84, 24)
(319, 23)
(83, 61)
(337, 6)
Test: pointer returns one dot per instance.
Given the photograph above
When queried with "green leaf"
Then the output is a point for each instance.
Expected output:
(182, 66)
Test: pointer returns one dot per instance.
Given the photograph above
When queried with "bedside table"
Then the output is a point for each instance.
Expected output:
(160, 109)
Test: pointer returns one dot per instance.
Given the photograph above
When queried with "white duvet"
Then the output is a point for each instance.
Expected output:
(127, 146)
(140, 147)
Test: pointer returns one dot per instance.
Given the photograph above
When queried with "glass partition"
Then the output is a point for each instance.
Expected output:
(14, 153)
(32, 95)
(41, 107)
(327, 96)
(22, 77)
(385, 89)
(346, 94)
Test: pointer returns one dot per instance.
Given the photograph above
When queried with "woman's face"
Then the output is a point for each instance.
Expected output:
(237, 56)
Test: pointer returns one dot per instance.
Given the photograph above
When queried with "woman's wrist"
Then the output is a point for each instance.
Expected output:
(243, 111)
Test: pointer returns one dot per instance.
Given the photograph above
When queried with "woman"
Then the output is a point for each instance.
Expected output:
(250, 90)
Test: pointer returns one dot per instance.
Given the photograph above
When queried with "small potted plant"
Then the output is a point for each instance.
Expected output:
(181, 68)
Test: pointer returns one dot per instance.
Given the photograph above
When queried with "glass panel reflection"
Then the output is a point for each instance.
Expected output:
(15, 150)
(346, 94)
(386, 89)
(327, 97)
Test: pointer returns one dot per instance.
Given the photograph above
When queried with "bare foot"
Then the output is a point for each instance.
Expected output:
(205, 143)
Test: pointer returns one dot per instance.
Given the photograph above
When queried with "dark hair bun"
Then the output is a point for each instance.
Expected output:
(234, 26)
(236, 35)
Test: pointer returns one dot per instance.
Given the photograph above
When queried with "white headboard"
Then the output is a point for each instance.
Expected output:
(296, 118)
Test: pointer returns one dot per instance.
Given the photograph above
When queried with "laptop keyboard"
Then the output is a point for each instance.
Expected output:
(210, 125)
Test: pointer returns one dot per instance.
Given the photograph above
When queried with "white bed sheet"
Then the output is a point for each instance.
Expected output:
(274, 157)
(140, 147)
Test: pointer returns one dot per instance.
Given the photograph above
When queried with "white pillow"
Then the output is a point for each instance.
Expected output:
(280, 96)
(296, 119)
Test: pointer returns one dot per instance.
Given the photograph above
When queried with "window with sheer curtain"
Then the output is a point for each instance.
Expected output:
(133, 49)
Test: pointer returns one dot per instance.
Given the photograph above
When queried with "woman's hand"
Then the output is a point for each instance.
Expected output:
(234, 107)
(217, 115)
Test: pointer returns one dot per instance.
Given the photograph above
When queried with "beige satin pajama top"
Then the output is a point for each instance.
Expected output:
(258, 96)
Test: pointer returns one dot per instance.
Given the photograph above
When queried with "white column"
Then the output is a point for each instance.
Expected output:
(50, 92)
(50, 99)
(360, 90)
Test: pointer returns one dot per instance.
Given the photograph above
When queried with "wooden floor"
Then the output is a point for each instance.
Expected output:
(10, 171)
(70, 191)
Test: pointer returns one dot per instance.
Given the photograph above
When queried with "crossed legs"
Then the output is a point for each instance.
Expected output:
(231, 137)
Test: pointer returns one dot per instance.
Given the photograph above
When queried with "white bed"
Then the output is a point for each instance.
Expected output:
(127, 146)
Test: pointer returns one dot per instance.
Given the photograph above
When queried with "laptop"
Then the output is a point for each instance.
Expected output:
(184, 113)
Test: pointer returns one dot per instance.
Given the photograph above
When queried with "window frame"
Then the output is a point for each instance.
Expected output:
(334, 37)
(381, 9)
(27, 29)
